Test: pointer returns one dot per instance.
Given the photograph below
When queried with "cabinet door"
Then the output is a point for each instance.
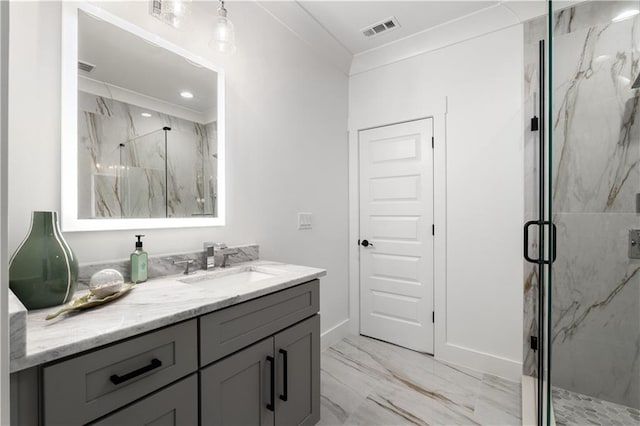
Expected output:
(297, 351)
(176, 405)
(237, 389)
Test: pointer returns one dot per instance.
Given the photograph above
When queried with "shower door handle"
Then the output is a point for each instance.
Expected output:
(526, 242)
(554, 240)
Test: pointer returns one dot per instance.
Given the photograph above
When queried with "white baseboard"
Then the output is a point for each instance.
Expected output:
(334, 334)
(480, 361)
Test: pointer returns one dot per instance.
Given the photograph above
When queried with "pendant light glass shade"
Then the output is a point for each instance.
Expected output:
(224, 38)
(172, 12)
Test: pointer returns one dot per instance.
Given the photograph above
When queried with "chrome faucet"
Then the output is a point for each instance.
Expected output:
(209, 259)
(217, 249)
(187, 262)
(226, 252)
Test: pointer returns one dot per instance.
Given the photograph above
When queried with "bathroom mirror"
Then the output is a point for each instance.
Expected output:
(142, 128)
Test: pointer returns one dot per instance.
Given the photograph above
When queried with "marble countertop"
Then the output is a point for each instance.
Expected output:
(150, 305)
(17, 327)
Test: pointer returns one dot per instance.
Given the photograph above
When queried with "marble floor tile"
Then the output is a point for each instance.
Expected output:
(368, 382)
(499, 402)
(575, 409)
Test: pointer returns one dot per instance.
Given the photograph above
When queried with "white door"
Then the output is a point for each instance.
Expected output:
(396, 218)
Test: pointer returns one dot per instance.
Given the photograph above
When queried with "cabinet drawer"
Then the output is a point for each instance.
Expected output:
(228, 330)
(89, 386)
(176, 405)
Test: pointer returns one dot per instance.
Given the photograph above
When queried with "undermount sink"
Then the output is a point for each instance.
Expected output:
(231, 277)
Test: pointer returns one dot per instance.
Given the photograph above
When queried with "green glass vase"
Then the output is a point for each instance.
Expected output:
(43, 271)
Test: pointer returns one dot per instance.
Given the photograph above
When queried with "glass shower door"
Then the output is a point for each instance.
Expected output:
(539, 232)
(593, 308)
(142, 176)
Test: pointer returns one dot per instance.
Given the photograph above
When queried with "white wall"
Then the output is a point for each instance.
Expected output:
(286, 141)
(4, 317)
(474, 91)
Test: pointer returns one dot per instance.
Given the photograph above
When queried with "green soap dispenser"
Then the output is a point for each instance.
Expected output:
(138, 263)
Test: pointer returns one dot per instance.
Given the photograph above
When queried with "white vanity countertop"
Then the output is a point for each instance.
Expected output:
(150, 305)
(17, 327)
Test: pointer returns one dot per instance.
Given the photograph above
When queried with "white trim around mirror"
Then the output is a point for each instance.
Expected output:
(69, 130)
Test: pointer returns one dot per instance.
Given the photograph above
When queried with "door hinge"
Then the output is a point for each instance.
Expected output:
(534, 343)
(433, 142)
(433, 316)
(358, 243)
(433, 229)
(535, 124)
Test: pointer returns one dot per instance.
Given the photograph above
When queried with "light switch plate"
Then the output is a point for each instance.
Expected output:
(304, 220)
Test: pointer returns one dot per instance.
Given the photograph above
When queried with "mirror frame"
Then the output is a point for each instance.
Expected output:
(69, 128)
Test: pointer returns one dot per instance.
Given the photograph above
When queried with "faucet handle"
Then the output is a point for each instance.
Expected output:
(225, 255)
(187, 262)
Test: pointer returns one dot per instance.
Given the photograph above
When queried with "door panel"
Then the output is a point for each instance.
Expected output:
(394, 149)
(402, 188)
(398, 227)
(301, 346)
(396, 216)
(393, 266)
(236, 390)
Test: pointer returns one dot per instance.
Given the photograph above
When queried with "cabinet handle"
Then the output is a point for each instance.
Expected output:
(272, 402)
(285, 394)
(155, 363)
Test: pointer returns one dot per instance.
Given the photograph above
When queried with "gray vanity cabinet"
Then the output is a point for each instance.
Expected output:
(275, 381)
(176, 405)
(258, 364)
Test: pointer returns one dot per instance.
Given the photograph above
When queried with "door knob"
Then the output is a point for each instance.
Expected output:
(366, 243)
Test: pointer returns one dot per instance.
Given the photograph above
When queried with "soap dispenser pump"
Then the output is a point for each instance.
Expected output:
(138, 263)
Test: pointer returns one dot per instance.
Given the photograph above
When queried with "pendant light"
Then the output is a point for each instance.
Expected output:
(224, 39)
(172, 12)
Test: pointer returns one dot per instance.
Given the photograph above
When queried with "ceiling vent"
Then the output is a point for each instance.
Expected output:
(381, 27)
(85, 66)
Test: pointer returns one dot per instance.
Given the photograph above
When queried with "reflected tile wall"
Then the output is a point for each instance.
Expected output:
(596, 165)
(130, 181)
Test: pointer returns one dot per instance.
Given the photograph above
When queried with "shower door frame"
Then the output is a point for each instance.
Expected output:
(546, 231)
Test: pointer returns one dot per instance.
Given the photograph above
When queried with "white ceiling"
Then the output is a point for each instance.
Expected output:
(125, 60)
(345, 19)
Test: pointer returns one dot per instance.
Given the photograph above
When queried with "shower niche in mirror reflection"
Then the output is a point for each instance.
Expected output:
(147, 128)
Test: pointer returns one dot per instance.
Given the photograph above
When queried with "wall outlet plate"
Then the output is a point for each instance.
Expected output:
(304, 220)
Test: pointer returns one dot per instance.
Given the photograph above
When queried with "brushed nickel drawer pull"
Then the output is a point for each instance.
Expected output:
(155, 363)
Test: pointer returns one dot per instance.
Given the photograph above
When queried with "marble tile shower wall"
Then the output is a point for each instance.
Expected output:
(131, 183)
(596, 169)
